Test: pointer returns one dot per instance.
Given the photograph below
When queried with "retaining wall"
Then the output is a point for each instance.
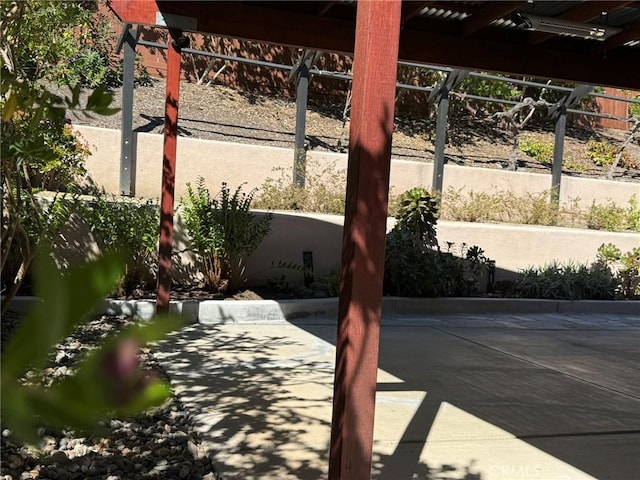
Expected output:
(513, 247)
(239, 163)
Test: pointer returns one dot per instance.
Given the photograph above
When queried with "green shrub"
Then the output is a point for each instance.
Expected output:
(633, 214)
(417, 211)
(603, 153)
(541, 151)
(565, 282)
(501, 206)
(472, 207)
(324, 191)
(624, 267)
(537, 209)
(634, 108)
(131, 227)
(414, 264)
(575, 166)
(529, 209)
(51, 151)
(614, 218)
(38, 222)
(224, 233)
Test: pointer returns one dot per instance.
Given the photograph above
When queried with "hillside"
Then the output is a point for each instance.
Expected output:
(220, 113)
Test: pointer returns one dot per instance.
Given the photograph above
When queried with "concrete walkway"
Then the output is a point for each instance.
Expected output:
(510, 397)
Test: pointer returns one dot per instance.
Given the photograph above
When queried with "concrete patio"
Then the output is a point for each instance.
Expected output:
(552, 396)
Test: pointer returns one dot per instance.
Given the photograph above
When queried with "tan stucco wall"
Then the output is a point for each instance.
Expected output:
(513, 247)
(238, 163)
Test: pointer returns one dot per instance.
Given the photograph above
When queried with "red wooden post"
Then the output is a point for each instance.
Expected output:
(168, 172)
(359, 311)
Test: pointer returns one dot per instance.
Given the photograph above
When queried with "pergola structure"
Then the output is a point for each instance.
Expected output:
(590, 42)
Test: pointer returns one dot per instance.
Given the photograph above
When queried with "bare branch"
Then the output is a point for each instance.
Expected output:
(634, 130)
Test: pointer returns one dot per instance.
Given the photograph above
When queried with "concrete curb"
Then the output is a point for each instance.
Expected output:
(211, 312)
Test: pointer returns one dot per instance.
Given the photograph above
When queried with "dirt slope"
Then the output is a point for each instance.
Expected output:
(219, 113)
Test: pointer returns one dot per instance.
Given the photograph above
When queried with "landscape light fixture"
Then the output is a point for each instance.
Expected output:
(529, 21)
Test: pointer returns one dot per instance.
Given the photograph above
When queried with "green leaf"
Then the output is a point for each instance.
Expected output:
(66, 301)
(154, 394)
(9, 108)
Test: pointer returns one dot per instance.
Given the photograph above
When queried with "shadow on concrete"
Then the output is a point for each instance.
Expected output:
(566, 394)
(244, 396)
(262, 399)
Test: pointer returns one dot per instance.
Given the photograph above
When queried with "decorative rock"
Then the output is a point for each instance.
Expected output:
(61, 357)
(163, 452)
(156, 445)
(184, 472)
(58, 456)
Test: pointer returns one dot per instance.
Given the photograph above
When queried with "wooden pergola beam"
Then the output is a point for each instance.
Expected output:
(631, 32)
(486, 15)
(499, 53)
(619, 69)
(412, 10)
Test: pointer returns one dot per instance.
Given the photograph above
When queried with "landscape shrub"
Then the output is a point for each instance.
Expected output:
(30, 223)
(614, 218)
(503, 206)
(537, 209)
(565, 282)
(624, 267)
(541, 151)
(39, 150)
(414, 264)
(603, 153)
(470, 207)
(127, 226)
(417, 211)
(634, 108)
(50, 150)
(223, 233)
(324, 191)
(529, 209)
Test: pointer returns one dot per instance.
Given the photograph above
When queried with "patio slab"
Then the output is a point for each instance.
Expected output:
(545, 396)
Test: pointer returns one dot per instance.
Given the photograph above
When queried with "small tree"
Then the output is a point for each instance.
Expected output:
(224, 233)
(38, 148)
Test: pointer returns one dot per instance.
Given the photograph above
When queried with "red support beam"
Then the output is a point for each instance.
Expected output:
(168, 172)
(360, 305)
(138, 11)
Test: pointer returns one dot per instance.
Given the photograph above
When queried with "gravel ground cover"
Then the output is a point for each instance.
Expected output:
(160, 444)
